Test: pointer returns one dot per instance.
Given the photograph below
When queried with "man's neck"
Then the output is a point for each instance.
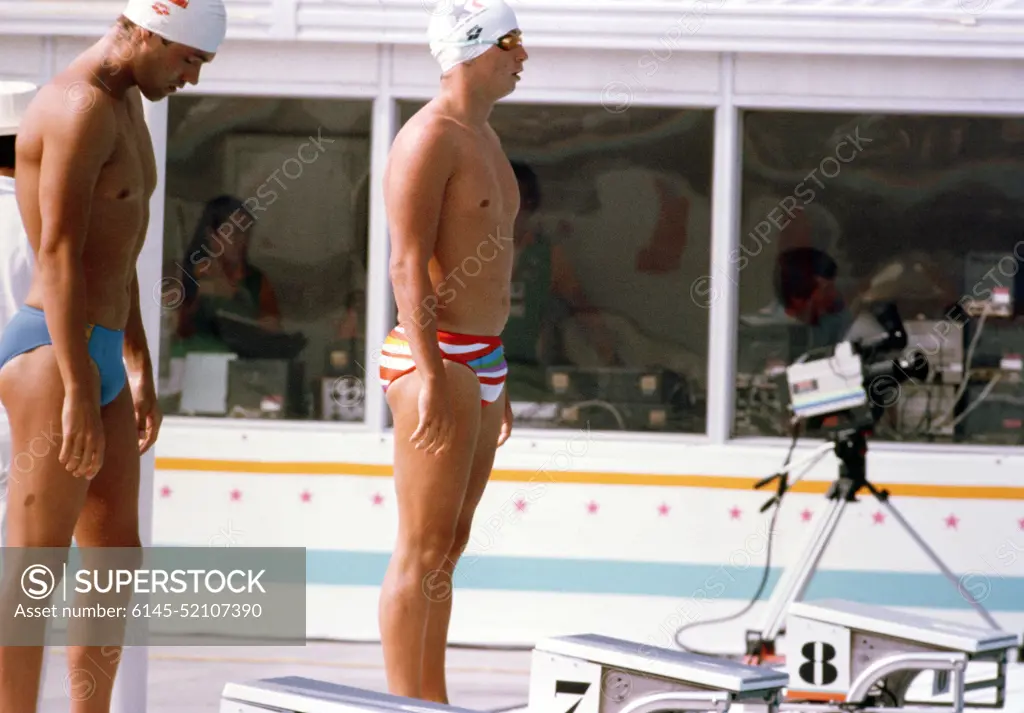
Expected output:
(463, 104)
(7, 172)
(109, 61)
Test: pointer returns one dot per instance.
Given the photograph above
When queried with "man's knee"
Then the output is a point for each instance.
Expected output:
(429, 551)
(461, 541)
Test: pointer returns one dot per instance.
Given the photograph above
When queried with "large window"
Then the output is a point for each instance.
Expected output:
(265, 258)
(844, 213)
(614, 228)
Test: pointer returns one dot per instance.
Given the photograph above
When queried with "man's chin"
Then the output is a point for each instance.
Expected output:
(155, 95)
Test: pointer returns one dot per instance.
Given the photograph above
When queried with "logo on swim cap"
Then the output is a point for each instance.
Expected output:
(200, 24)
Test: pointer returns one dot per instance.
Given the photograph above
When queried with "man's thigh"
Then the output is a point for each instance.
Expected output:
(431, 487)
(110, 515)
(43, 498)
(491, 417)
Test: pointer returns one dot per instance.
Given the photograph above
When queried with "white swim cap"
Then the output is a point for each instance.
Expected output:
(468, 28)
(200, 24)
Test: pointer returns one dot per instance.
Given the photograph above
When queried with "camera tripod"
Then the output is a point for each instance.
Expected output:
(850, 447)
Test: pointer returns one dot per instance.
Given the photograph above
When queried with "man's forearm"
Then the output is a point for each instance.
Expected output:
(136, 349)
(64, 306)
(417, 303)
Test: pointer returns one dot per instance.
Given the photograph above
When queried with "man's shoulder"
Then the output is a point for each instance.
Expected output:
(69, 105)
(430, 129)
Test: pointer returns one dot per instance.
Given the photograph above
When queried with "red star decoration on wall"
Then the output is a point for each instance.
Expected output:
(592, 507)
(952, 521)
(306, 496)
(521, 505)
(735, 513)
(878, 517)
(236, 494)
(663, 509)
(1021, 523)
(377, 498)
(806, 515)
(165, 492)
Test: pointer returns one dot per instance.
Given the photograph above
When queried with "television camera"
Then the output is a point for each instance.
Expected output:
(848, 386)
(843, 391)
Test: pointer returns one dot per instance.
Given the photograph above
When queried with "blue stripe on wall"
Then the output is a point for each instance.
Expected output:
(685, 581)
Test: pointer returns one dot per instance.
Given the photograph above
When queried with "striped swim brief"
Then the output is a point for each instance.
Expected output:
(484, 355)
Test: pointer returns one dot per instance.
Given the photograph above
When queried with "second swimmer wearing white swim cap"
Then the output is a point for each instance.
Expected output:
(462, 30)
(192, 31)
(75, 355)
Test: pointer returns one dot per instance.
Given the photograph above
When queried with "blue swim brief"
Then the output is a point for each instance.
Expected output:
(27, 331)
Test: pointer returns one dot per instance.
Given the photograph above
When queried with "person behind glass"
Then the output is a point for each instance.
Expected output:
(545, 291)
(218, 274)
(805, 284)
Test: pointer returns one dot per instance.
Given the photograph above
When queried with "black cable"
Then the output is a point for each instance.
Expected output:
(764, 576)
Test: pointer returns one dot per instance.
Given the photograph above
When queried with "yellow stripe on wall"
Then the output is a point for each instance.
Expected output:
(719, 482)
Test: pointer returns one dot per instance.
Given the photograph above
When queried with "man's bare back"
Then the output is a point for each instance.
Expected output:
(471, 266)
(113, 134)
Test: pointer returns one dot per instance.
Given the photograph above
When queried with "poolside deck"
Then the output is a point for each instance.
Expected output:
(190, 679)
(186, 679)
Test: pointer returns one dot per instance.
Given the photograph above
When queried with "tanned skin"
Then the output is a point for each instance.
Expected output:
(451, 196)
(86, 171)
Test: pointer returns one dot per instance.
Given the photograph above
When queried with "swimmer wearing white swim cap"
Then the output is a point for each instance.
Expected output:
(452, 199)
(74, 360)
(462, 30)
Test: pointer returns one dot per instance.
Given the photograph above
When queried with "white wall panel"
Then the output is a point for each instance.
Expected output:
(281, 65)
(23, 58)
(879, 77)
(610, 77)
(65, 49)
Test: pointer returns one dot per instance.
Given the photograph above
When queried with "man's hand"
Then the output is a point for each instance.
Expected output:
(147, 411)
(83, 446)
(506, 423)
(436, 428)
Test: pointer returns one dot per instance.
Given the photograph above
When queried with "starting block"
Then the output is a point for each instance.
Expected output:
(295, 694)
(849, 654)
(598, 674)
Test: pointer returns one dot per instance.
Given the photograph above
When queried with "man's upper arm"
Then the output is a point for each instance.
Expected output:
(76, 145)
(418, 177)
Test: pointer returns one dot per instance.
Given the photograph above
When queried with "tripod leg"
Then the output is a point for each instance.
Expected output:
(795, 578)
(982, 611)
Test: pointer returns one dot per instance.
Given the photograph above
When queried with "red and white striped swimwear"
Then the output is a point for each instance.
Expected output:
(484, 355)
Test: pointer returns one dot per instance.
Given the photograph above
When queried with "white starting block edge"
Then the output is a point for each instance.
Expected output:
(919, 629)
(705, 671)
(297, 694)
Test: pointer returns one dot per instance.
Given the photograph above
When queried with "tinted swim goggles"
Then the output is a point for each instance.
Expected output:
(508, 42)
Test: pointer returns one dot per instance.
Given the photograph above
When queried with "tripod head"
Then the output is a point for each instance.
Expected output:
(850, 446)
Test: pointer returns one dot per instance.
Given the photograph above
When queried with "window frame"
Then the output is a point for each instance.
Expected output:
(728, 104)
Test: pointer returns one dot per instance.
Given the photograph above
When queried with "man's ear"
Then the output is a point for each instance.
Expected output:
(151, 38)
